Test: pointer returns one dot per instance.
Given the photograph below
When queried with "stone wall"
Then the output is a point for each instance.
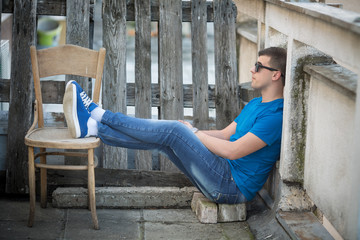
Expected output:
(330, 139)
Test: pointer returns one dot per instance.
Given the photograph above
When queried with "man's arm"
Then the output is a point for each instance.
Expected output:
(244, 146)
(217, 141)
(224, 134)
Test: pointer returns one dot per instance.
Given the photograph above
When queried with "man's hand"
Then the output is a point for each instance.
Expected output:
(186, 124)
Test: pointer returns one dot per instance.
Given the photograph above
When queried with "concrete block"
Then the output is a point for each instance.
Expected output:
(125, 197)
(210, 212)
(195, 200)
(205, 210)
(70, 198)
(231, 212)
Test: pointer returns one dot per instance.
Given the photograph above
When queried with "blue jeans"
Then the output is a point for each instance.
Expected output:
(210, 173)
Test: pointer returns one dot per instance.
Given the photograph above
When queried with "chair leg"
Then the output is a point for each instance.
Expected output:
(43, 180)
(91, 187)
(31, 185)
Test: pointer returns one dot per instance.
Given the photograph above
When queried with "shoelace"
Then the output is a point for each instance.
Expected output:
(85, 99)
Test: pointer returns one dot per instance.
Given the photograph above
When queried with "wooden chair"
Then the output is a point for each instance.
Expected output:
(61, 60)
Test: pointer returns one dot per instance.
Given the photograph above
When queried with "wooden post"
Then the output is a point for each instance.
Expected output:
(199, 64)
(114, 81)
(143, 159)
(227, 102)
(170, 66)
(77, 31)
(21, 94)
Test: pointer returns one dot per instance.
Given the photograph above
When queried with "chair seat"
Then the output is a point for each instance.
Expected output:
(58, 137)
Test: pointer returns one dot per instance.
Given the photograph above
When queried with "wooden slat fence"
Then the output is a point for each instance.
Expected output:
(142, 90)
(170, 95)
(114, 81)
(170, 66)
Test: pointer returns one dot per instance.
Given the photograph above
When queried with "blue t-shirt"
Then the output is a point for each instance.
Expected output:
(265, 121)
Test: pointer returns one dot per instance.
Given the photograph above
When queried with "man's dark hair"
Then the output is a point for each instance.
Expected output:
(277, 59)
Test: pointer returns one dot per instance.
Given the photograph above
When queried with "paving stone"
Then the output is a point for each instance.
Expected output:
(181, 231)
(236, 230)
(52, 223)
(14, 218)
(182, 224)
(231, 212)
(19, 230)
(169, 215)
(197, 231)
(114, 224)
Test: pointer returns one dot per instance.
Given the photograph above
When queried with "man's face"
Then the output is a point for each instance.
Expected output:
(263, 78)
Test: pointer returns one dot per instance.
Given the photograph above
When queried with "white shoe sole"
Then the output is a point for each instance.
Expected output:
(70, 111)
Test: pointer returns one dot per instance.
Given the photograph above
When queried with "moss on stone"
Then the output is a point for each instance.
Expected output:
(299, 95)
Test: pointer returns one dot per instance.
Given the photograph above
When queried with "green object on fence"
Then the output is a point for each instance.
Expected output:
(48, 32)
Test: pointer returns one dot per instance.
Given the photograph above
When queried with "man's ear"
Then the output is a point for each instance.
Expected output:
(276, 76)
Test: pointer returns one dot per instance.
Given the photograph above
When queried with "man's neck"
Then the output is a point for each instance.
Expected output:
(269, 95)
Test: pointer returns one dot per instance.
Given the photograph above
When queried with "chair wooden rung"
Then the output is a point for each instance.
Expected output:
(73, 154)
(61, 167)
(61, 60)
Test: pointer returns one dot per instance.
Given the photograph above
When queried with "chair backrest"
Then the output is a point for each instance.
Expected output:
(66, 60)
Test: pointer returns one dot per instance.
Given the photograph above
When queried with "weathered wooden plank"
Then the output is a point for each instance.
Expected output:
(143, 159)
(120, 178)
(21, 94)
(52, 7)
(116, 178)
(199, 65)
(48, 88)
(114, 81)
(186, 11)
(227, 104)
(53, 92)
(44, 7)
(77, 31)
(58, 8)
(170, 66)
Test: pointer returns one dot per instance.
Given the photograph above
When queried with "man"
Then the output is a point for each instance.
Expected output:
(228, 165)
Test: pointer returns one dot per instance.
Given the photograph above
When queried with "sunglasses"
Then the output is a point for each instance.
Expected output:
(259, 65)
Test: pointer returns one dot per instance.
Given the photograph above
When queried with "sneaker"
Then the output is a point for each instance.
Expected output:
(88, 103)
(76, 114)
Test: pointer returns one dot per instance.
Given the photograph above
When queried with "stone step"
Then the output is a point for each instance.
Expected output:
(125, 197)
(210, 212)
